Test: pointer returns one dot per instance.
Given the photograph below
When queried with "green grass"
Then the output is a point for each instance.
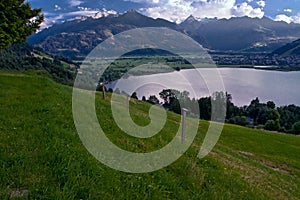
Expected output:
(42, 157)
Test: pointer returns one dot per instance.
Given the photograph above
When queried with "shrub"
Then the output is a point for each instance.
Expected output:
(272, 125)
(296, 128)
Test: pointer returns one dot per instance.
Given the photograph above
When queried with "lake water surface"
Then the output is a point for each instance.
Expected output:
(243, 84)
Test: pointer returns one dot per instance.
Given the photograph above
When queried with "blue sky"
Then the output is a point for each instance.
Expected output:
(173, 10)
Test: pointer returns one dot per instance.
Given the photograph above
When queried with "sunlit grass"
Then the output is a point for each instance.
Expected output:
(41, 153)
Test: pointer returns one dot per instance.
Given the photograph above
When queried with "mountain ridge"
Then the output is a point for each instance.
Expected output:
(77, 38)
(290, 49)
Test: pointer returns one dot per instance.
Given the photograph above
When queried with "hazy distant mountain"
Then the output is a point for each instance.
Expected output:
(291, 49)
(79, 36)
(192, 24)
(243, 34)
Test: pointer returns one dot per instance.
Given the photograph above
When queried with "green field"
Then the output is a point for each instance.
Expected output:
(42, 157)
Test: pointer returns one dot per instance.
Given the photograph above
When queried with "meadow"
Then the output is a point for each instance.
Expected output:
(42, 156)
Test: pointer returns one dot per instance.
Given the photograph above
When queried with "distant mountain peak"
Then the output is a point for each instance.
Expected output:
(132, 11)
(194, 20)
(104, 13)
(190, 19)
(97, 15)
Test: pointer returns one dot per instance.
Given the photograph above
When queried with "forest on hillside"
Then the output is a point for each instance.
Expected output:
(24, 57)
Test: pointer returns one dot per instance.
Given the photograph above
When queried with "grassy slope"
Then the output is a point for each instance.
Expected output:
(41, 155)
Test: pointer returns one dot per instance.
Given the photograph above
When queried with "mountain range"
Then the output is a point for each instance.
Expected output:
(76, 38)
(243, 33)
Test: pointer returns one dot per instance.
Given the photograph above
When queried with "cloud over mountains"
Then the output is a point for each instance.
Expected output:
(179, 10)
(172, 10)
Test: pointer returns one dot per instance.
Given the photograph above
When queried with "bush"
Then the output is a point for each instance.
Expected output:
(272, 125)
(134, 95)
(296, 128)
(239, 120)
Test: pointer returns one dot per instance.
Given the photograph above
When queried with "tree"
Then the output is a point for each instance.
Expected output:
(168, 95)
(17, 21)
(271, 104)
(153, 99)
(272, 125)
(288, 116)
(296, 128)
(253, 109)
(218, 101)
(265, 113)
(231, 109)
(175, 106)
(134, 95)
(205, 108)
(239, 120)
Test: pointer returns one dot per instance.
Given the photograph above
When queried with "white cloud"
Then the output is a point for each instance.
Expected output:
(179, 10)
(82, 11)
(288, 10)
(288, 19)
(75, 2)
(261, 3)
(244, 9)
(49, 21)
(173, 10)
(283, 17)
(84, 8)
(57, 7)
(214, 8)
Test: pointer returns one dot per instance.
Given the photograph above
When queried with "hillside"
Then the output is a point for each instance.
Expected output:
(290, 49)
(42, 156)
(24, 57)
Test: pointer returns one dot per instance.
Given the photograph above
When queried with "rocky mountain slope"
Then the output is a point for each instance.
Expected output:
(76, 38)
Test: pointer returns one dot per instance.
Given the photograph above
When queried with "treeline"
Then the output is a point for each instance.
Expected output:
(24, 57)
(255, 115)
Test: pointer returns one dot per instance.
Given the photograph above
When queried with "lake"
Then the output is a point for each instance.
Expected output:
(243, 84)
